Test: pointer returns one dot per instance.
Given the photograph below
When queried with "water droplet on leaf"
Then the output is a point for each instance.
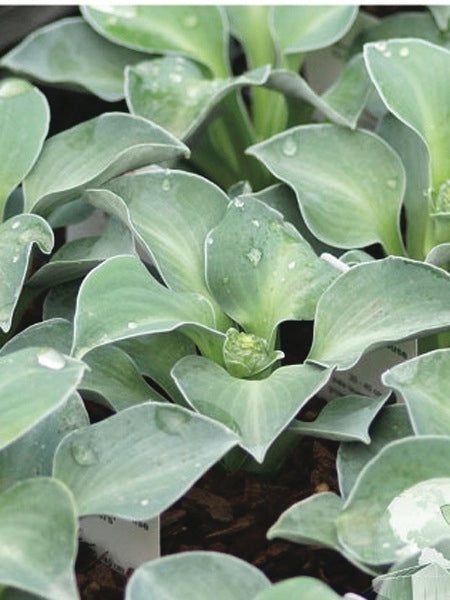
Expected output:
(15, 225)
(144, 502)
(51, 359)
(256, 223)
(289, 147)
(166, 185)
(291, 265)
(254, 256)
(381, 46)
(132, 325)
(403, 52)
(171, 421)
(239, 203)
(176, 77)
(84, 453)
(391, 183)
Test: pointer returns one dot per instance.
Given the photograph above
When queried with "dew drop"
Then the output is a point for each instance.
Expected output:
(171, 421)
(381, 46)
(84, 454)
(254, 256)
(176, 77)
(144, 502)
(190, 21)
(291, 265)
(166, 185)
(15, 225)
(387, 54)
(51, 359)
(289, 147)
(239, 203)
(131, 325)
(256, 223)
(210, 241)
(15, 258)
(197, 465)
(403, 52)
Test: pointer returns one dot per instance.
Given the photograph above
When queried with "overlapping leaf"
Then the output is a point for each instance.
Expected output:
(198, 32)
(93, 152)
(256, 410)
(70, 52)
(349, 184)
(175, 93)
(38, 529)
(261, 270)
(24, 120)
(411, 77)
(138, 462)
(424, 383)
(192, 576)
(109, 311)
(17, 236)
(375, 303)
(33, 383)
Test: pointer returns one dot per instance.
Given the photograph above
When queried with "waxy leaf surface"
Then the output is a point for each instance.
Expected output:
(343, 206)
(411, 77)
(345, 419)
(38, 530)
(198, 32)
(193, 575)
(17, 236)
(70, 52)
(299, 587)
(376, 303)
(77, 257)
(24, 120)
(305, 28)
(120, 299)
(175, 93)
(32, 454)
(256, 410)
(135, 464)
(261, 270)
(424, 383)
(33, 383)
(391, 424)
(394, 507)
(93, 152)
(172, 212)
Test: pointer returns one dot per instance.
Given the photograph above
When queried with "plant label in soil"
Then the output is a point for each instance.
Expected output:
(121, 544)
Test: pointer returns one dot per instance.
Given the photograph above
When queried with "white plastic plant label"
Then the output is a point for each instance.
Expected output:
(365, 377)
(122, 545)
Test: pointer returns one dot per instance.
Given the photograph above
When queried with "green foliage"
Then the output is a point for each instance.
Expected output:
(170, 315)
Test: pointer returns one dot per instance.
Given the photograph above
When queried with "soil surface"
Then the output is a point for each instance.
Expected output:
(231, 513)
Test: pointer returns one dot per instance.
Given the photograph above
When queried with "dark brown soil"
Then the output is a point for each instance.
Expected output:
(231, 513)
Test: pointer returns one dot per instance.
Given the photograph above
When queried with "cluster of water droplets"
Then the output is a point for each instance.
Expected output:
(384, 48)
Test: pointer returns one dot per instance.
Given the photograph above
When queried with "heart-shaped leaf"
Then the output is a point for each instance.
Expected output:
(69, 52)
(108, 312)
(345, 419)
(93, 152)
(32, 454)
(192, 576)
(394, 508)
(17, 236)
(261, 270)
(343, 207)
(24, 120)
(256, 410)
(391, 424)
(198, 32)
(376, 303)
(174, 92)
(33, 383)
(38, 529)
(136, 463)
(172, 212)
(424, 383)
(411, 77)
(305, 28)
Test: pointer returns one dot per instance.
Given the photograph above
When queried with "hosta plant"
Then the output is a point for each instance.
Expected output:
(172, 315)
